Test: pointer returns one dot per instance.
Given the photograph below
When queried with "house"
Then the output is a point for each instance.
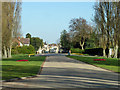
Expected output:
(53, 48)
(43, 49)
(22, 41)
(49, 48)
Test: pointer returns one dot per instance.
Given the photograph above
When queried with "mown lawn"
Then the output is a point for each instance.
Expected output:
(12, 69)
(110, 63)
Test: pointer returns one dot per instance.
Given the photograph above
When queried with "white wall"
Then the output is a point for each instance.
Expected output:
(21, 44)
(26, 44)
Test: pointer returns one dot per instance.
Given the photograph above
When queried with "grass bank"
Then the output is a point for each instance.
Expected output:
(12, 69)
(110, 63)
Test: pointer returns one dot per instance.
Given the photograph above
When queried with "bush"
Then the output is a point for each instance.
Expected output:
(94, 51)
(14, 51)
(23, 50)
(76, 50)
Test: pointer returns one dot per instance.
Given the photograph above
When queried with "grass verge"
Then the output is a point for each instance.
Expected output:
(110, 63)
(12, 69)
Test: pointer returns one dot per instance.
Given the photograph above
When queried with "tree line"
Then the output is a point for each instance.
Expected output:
(105, 32)
(36, 42)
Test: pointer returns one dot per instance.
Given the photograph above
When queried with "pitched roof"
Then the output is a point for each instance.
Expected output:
(25, 40)
(16, 40)
(22, 40)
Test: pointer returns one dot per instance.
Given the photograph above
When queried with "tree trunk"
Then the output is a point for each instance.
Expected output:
(116, 51)
(104, 54)
(109, 56)
(5, 52)
(82, 45)
(9, 52)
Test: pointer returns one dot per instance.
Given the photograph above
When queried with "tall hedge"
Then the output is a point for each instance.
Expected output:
(119, 53)
(23, 50)
(94, 51)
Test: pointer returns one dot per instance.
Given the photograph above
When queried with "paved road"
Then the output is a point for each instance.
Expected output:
(52, 54)
(63, 72)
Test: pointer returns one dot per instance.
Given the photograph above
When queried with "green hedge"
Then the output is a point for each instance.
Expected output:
(76, 50)
(119, 53)
(23, 50)
(94, 51)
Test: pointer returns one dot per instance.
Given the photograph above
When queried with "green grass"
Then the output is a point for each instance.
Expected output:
(12, 69)
(110, 63)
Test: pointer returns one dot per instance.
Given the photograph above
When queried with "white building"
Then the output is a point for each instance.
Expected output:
(49, 48)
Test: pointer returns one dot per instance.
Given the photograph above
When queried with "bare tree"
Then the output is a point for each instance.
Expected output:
(99, 19)
(116, 26)
(103, 20)
(81, 30)
(17, 20)
(10, 24)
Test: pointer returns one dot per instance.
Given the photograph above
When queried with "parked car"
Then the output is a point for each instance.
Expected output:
(65, 51)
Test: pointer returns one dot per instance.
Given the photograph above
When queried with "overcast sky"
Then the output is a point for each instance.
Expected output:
(47, 19)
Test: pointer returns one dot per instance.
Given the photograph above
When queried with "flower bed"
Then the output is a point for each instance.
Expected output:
(99, 59)
(21, 60)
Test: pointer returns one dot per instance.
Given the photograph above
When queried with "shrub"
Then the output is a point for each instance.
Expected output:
(14, 51)
(23, 50)
(76, 50)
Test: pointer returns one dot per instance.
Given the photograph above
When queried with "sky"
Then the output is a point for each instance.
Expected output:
(47, 20)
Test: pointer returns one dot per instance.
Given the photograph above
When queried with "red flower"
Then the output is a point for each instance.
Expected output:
(99, 60)
(21, 60)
